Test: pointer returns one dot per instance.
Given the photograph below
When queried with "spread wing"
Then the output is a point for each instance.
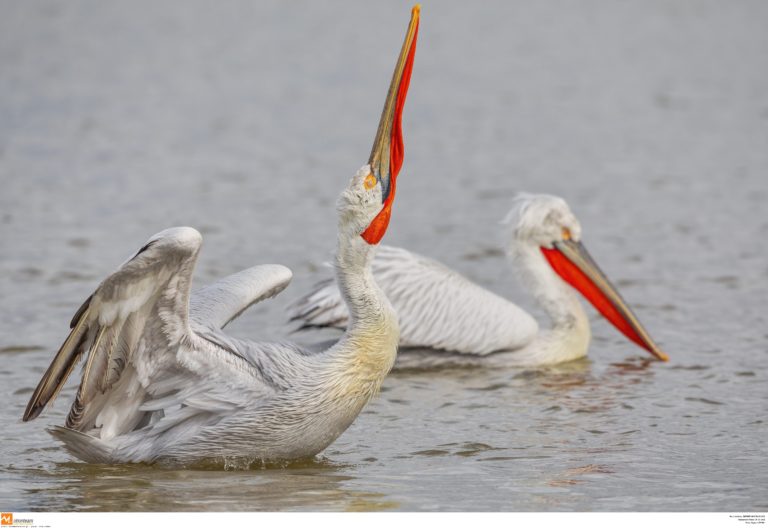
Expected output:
(216, 305)
(125, 329)
(436, 306)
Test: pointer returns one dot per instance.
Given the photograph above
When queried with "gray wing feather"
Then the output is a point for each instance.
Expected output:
(153, 378)
(145, 300)
(216, 305)
(322, 307)
(436, 306)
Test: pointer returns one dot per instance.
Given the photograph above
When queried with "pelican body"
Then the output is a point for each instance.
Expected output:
(447, 320)
(163, 383)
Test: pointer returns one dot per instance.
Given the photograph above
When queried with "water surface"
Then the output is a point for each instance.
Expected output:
(246, 119)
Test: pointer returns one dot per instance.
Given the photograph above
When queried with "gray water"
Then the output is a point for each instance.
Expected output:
(246, 119)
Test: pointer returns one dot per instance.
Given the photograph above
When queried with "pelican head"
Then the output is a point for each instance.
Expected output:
(547, 225)
(360, 203)
(541, 219)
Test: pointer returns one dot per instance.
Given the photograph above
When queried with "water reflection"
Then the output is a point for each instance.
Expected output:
(569, 476)
(317, 484)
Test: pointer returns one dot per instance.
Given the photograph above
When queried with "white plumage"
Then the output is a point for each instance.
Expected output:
(436, 306)
(446, 319)
(161, 381)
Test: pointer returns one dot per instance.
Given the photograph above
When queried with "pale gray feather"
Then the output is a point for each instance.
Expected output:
(148, 292)
(146, 370)
(437, 307)
(160, 384)
(219, 303)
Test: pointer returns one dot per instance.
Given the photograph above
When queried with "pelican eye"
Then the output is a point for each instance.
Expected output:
(566, 233)
(369, 182)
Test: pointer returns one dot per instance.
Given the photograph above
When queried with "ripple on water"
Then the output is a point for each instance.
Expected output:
(28, 273)
(491, 387)
(473, 448)
(79, 242)
(503, 458)
(431, 452)
(704, 400)
(11, 349)
(689, 367)
(67, 276)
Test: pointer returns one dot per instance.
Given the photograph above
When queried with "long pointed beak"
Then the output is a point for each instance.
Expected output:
(574, 264)
(388, 151)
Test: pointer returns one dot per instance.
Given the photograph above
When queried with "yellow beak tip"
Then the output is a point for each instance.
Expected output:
(416, 11)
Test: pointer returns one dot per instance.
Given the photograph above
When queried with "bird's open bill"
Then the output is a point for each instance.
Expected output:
(387, 153)
(573, 263)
